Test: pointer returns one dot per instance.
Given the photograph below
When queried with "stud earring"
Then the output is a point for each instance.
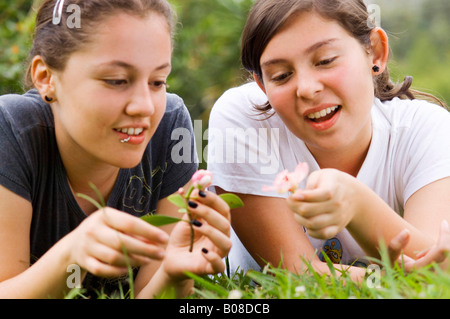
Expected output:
(376, 68)
(48, 99)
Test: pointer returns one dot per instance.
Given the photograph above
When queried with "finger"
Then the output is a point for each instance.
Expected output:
(212, 200)
(397, 244)
(215, 262)
(408, 263)
(310, 210)
(117, 258)
(101, 269)
(439, 252)
(211, 216)
(313, 180)
(313, 196)
(127, 223)
(131, 245)
(324, 233)
(218, 238)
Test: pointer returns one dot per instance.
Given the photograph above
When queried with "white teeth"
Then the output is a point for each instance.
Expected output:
(131, 130)
(138, 131)
(322, 113)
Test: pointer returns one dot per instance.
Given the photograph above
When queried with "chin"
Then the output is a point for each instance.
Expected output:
(127, 160)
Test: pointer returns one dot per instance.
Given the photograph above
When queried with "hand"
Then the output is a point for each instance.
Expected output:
(328, 203)
(438, 253)
(211, 241)
(108, 241)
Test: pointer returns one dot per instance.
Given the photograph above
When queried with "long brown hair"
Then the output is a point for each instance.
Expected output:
(267, 16)
(55, 43)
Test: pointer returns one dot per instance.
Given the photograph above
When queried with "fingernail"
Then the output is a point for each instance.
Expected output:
(205, 251)
(202, 194)
(192, 204)
(196, 223)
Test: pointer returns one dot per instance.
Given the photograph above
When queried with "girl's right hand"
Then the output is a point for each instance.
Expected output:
(109, 241)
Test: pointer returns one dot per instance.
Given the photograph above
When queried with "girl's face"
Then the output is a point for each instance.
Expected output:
(114, 90)
(318, 78)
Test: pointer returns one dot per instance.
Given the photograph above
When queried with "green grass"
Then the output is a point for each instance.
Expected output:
(276, 283)
(393, 282)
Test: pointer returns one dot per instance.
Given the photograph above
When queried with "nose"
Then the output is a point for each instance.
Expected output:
(309, 85)
(142, 102)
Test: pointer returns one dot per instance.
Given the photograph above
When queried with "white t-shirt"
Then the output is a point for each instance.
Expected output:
(410, 148)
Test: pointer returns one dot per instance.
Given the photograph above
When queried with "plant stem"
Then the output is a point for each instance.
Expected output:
(188, 195)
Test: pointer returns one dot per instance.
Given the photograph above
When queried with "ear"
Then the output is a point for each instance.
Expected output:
(380, 48)
(42, 78)
(259, 82)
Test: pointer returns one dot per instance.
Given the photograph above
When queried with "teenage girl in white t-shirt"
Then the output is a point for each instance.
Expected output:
(379, 159)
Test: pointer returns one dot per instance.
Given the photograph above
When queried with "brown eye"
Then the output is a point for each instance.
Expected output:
(326, 62)
(281, 77)
(116, 82)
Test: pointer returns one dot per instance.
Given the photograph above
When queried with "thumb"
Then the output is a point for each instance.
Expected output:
(397, 244)
(313, 180)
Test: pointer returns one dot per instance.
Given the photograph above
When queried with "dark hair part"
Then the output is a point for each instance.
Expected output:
(267, 17)
(55, 43)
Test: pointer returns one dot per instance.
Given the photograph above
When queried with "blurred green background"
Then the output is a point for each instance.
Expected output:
(206, 56)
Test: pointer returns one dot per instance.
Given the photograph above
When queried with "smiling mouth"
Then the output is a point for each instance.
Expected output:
(324, 115)
(130, 131)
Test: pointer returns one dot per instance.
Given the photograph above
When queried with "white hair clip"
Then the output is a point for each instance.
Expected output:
(57, 11)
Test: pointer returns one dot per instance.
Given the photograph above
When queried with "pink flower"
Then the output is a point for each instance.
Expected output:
(202, 179)
(288, 182)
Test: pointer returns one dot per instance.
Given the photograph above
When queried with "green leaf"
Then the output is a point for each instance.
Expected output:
(232, 200)
(178, 200)
(160, 220)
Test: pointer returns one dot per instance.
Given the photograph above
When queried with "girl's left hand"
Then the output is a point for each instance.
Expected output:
(328, 203)
(438, 253)
(211, 240)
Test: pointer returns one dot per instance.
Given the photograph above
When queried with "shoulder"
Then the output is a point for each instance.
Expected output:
(174, 103)
(241, 99)
(25, 110)
(237, 107)
(412, 114)
(176, 113)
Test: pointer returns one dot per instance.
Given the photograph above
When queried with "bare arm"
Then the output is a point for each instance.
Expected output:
(47, 277)
(267, 228)
(334, 200)
(96, 245)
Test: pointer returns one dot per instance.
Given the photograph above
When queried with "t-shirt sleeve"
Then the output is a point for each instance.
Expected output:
(181, 156)
(14, 168)
(428, 148)
(243, 149)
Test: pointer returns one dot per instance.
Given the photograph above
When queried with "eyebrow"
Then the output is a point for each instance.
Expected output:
(320, 44)
(125, 65)
(309, 50)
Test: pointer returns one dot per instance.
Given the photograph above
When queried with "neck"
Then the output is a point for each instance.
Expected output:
(348, 159)
(347, 164)
(82, 171)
